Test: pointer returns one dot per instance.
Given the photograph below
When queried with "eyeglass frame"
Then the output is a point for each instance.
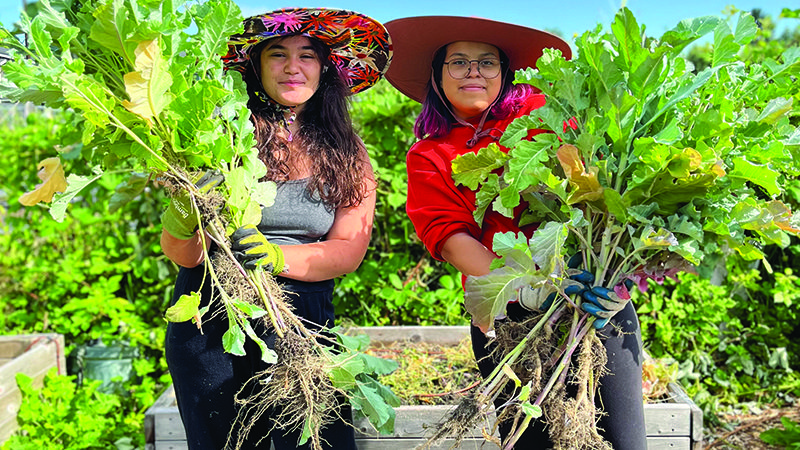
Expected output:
(477, 65)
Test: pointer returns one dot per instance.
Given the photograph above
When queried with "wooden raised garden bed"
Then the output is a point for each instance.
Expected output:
(676, 424)
(34, 355)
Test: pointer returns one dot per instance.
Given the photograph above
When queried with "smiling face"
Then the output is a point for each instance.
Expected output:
(472, 95)
(290, 70)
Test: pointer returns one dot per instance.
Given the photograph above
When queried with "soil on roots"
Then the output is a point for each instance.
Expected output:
(458, 424)
(569, 409)
(295, 393)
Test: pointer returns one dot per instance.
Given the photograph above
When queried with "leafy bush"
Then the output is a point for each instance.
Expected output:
(61, 416)
(789, 437)
(736, 342)
(96, 276)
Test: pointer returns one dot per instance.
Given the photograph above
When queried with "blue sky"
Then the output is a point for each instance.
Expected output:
(568, 17)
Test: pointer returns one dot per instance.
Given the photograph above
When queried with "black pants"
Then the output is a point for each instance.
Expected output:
(620, 392)
(206, 378)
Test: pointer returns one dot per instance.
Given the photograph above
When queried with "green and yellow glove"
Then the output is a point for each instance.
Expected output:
(180, 217)
(253, 250)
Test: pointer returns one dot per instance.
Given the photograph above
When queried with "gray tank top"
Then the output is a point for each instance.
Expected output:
(296, 217)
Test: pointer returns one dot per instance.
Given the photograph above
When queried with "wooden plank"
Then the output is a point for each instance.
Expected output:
(667, 419)
(653, 443)
(168, 425)
(7, 427)
(668, 443)
(171, 445)
(411, 422)
(33, 355)
(681, 396)
(669, 424)
(39, 359)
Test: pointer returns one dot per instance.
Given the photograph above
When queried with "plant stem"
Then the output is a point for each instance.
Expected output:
(565, 361)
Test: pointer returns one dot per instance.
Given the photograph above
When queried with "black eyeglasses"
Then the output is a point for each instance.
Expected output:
(461, 67)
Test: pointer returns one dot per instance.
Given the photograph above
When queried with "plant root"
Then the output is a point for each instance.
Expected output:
(457, 425)
(572, 419)
(296, 393)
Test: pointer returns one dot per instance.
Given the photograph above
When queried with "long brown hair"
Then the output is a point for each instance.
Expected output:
(325, 131)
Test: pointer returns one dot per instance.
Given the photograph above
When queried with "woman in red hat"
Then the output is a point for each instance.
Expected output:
(300, 66)
(461, 70)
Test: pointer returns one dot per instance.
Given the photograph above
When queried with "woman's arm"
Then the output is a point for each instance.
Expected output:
(345, 245)
(183, 252)
(467, 254)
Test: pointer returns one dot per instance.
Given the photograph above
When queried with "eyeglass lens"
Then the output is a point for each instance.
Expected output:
(460, 68)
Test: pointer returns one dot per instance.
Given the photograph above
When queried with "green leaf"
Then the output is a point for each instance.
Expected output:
(547, 246)
(223, 20)
(356, 343)
(378, 366)
(233, 338)
(375, 401)
(485, 297)
(532, 410)
(471, 169)
(725, 48)
(775, 109)
(128, 190)
(345, 369)
(504, 243)
(111, 29)
(485, 196)
(185, 308)
(526, 168)
(758, 174)
(75, 184)
(788, 437)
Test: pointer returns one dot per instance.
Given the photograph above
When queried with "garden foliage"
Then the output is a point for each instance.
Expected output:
(100, 273)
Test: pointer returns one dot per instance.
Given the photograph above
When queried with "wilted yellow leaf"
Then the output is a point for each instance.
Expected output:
(586, 186)
(147, 87)
(53, 180)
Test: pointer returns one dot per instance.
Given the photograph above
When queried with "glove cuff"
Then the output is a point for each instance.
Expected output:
(179, 221)
(279, 265)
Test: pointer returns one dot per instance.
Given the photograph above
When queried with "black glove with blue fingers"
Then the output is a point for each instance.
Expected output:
(603, 304)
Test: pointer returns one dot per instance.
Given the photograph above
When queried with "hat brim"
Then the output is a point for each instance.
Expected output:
(416, 40)
(360, 46)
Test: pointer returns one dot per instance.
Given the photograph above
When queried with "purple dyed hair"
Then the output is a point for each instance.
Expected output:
(436, 120)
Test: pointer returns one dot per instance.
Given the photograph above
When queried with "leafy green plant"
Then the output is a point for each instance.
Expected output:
(65, 417)
(647, 170)
(51, 281)
(789, 437)
(155, 102)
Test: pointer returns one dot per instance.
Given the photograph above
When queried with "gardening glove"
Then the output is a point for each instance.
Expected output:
(540, 299)
(603, 303)
(180, 218)
(253, 250)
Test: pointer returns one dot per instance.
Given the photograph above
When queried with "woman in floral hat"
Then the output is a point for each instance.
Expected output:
(300, 66)
(461, 69)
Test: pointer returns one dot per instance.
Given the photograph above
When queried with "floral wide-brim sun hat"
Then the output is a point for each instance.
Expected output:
(360, 46)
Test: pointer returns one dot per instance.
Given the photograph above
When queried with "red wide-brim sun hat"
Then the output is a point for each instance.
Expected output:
(416, 40)
(360, 46)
